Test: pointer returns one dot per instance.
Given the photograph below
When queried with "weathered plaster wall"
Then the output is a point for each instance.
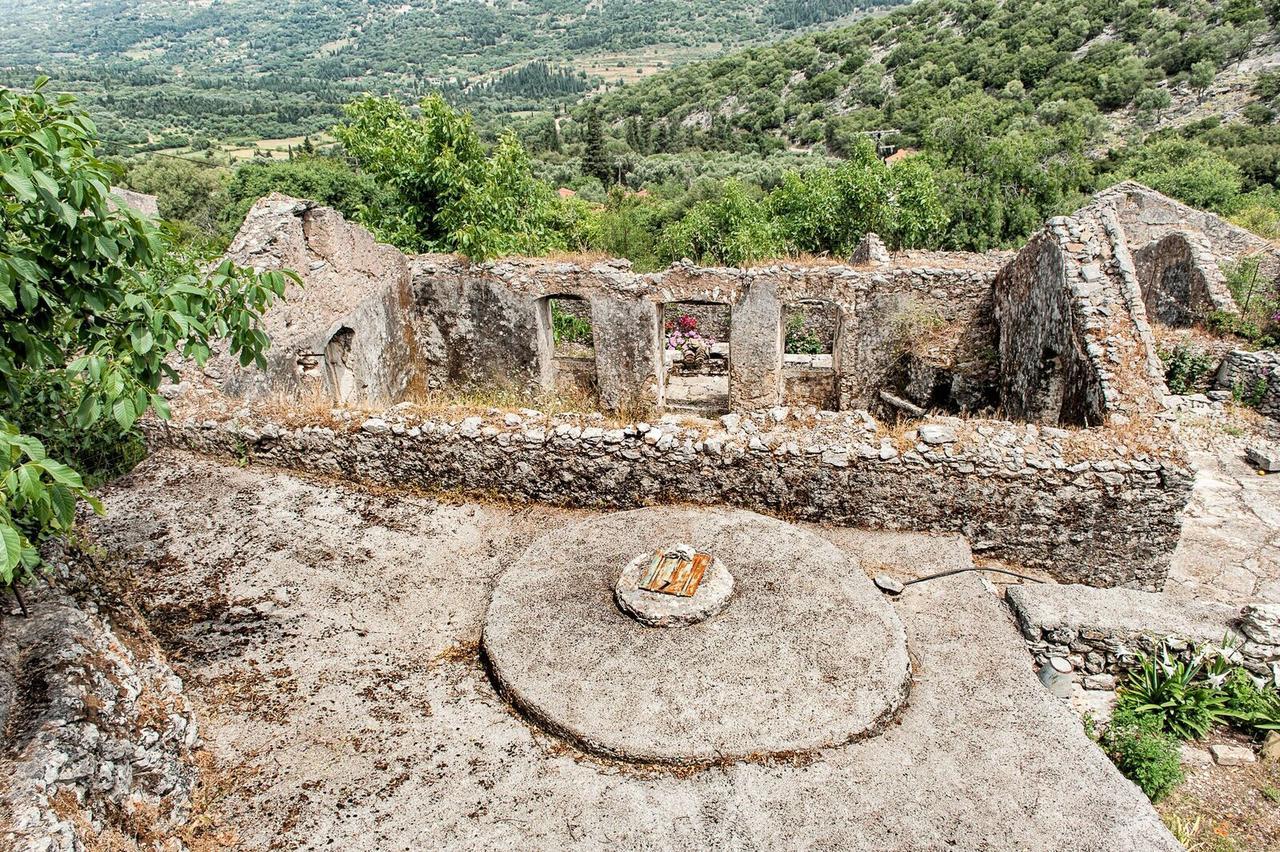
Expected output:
(1180, 279)
(1074, 505)
(1045, 373)
(351, 283)
(870, 305)
(1148, 216)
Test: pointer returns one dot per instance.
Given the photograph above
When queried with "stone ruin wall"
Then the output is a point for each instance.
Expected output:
(1102, 631)
(487, 323)
(1058, 334)
(1148, 217)
(371, 325)
(1080, 508)
(1255, 377)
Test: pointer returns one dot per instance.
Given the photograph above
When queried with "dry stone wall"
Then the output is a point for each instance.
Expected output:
(1103, 630)
(1255, 377)
(1093, 513)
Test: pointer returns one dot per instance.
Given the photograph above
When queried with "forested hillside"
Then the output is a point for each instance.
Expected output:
(1020, 107)
(157, 72)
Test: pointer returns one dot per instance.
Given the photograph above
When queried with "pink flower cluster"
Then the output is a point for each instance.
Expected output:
(684, 332)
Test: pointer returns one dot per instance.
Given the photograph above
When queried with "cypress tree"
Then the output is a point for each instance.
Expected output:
(595, 161)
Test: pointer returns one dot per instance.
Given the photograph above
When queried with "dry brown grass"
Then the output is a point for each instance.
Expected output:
(312, 406)
(205, 830)
(1142, 434)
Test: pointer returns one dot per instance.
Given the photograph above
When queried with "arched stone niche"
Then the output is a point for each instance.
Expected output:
(1180, 281)
(340, 365)
(1045, 372)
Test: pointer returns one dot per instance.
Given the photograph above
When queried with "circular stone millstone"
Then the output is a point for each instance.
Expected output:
(655, 609)
(806, 655)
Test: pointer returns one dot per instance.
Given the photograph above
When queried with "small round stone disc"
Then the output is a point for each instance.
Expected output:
(657, 609)
(806, 654)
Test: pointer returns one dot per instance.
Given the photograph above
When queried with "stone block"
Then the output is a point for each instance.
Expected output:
(1261, 623)
(1264, 458)
(755, 348)
(1230, 754)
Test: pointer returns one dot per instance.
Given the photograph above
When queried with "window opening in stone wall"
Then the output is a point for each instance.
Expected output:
(809, 329)
(696, 342)
(340, 362)
(572, 345)
(809, 336)
(571, 327)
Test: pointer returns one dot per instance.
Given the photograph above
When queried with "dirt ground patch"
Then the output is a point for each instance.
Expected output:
(328, 637)
(1228, 808)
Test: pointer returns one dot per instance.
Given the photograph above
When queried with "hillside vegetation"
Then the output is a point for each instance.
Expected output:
(1012, 103)
(158, 72)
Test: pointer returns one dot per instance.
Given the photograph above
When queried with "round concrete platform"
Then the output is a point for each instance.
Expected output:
(805, 655)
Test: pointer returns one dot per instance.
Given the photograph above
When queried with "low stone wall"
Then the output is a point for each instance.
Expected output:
(1102, 630)
(1077, 505)
(99, 740)
(1245, 373)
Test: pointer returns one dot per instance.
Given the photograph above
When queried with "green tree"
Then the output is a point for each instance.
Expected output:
(1189, 171)
(93, 301)
(828, 211)
(1201, 77)
(731, 228)
(185, 191)
(327, 180)
(453, 193)
(595, 160)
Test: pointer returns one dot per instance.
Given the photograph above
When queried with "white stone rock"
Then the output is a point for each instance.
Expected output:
(934, 434)
(1261, 623)
(1230, 754)
(1100, 681)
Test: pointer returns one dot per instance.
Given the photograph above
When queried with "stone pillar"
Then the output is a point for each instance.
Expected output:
(628, 353)
(755, 347)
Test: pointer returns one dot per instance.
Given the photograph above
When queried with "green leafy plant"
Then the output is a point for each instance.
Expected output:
(800, 340)
(1142, 752)
(1174, 694)
(1184, 368)
(567, 328)
(1250, 393)
(454, 193)
(1266, 712)
(93, 302)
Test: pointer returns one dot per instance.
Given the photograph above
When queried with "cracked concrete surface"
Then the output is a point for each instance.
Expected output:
(328, 637)
(1230, 546)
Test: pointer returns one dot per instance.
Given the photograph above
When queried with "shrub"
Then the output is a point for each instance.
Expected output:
(566, 328)
(1174, 694)
(1142, 752)
(799, 340)
(1184, 367)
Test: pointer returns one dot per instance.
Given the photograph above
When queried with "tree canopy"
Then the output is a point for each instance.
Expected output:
(93, 302)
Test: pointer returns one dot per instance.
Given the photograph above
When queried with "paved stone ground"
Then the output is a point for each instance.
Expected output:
(1230, 547)
(328, 637)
